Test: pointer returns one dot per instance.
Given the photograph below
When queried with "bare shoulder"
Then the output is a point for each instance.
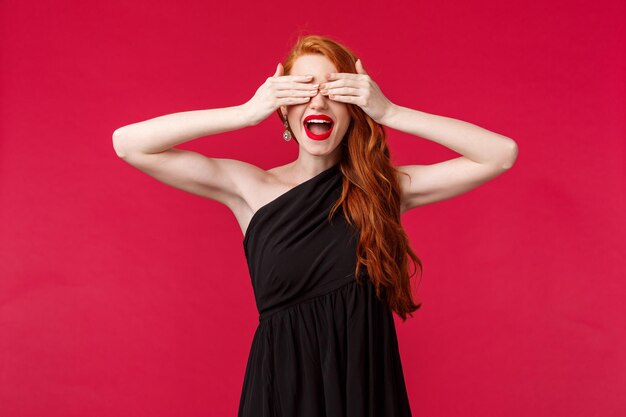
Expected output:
(241, 186)
(258, 187)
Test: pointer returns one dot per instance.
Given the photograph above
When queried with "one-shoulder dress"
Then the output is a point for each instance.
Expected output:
(325, 345)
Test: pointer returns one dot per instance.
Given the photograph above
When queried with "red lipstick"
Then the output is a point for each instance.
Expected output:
(321, 136)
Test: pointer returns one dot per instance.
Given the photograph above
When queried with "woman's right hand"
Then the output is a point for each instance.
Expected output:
(278, 90)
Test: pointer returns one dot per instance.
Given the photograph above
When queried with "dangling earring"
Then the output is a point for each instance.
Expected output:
(287, 133)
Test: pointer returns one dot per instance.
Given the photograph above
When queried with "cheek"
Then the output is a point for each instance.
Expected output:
(294, 116)
(345, 120)
(343, 113)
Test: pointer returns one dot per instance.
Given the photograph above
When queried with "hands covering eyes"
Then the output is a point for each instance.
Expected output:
(287, 90)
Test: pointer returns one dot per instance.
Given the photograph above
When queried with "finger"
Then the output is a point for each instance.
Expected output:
(343, 83)
(299, 78)
(344, 99)
(337, 75)
(279, 70)
(295, 93)
(295, 85)
(359, 67)
(289, 101)
(348, 91)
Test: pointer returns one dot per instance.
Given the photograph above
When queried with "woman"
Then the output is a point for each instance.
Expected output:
(322, 235)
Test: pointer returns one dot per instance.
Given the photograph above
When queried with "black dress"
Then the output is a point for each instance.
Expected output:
(325, 345)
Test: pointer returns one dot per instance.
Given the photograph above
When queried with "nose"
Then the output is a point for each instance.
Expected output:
(318, 101)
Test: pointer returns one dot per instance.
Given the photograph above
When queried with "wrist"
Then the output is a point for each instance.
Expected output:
(389, 114)
(244, 115)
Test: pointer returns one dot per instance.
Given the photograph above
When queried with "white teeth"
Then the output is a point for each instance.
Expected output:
(317, 121)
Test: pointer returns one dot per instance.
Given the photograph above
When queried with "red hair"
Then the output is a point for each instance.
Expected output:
(371, 193)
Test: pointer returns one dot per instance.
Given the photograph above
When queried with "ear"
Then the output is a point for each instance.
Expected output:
(283, 111)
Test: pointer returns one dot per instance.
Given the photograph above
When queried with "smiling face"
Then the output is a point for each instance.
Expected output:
(317, 65)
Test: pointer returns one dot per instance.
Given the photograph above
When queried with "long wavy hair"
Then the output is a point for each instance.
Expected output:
(371, 190)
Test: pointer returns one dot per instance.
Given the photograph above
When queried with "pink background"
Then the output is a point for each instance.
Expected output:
(120, 296)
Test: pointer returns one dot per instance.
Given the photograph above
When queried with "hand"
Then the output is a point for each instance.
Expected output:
(358, 89)
(278, 90)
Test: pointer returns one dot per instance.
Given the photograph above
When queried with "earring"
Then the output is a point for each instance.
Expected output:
(287, 133)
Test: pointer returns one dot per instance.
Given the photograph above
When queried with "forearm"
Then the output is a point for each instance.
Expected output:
(164, 132)
(469, 140)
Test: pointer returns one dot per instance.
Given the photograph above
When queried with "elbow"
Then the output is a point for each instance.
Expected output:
(510, 156)
(118, 143)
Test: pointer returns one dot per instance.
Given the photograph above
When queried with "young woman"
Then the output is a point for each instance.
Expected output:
(325, 247)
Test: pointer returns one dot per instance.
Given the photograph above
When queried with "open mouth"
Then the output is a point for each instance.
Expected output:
(318, 126)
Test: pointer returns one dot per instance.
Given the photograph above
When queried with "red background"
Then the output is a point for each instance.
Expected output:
(120, 296)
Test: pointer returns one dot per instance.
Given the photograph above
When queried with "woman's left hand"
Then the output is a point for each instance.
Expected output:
(357, 89)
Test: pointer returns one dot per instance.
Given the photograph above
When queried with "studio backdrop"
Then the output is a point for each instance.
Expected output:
(121, 296)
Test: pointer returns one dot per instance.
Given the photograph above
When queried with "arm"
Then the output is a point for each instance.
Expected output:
(485, 156)
(149, 147)
(164, 132)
